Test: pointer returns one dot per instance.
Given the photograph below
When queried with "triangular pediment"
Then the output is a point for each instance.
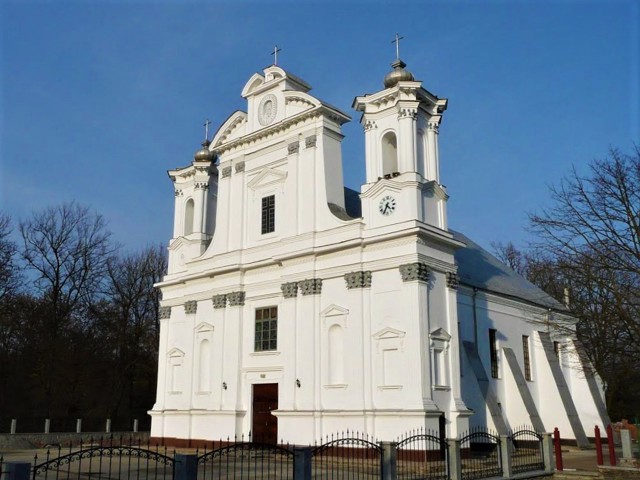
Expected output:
(175, 352)
(440, 334)
(389, 332)
(334, 311)
(204, 327)
(267, 177)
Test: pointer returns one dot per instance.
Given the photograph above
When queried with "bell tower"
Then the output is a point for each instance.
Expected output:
(401, 146)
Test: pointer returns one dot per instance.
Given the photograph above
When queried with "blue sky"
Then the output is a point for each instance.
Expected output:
(101, 98)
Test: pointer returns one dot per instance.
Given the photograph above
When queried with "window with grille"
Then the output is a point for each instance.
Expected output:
(266, 338)
(268, 214)
(527, 358)
(493, 346)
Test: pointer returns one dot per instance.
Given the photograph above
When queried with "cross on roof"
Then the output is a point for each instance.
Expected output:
(275, 54)
(397, 42)
(206, 129)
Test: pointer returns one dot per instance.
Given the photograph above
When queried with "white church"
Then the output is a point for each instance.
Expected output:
(294, 308)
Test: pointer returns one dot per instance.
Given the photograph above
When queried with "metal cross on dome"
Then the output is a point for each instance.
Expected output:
(397, 42)
(275, 54)
(206, 129)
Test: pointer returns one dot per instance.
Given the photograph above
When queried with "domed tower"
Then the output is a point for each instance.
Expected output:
(196, 188)
(401, 146)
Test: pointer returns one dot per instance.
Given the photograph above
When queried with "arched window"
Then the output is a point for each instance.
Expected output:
(188, 217)
(389, 153)
(336, 355)
(204, 373)
(421, 161)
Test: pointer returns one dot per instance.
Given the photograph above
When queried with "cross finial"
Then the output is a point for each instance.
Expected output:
(275, 54)
(206, 129)
(397, 42)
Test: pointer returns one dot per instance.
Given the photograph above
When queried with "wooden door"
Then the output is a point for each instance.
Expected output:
(265, 425)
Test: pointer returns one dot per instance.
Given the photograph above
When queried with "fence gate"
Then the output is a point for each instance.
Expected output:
(423, 456)
(480, 453)
(352, 457)
(526, 451)
(247, 460)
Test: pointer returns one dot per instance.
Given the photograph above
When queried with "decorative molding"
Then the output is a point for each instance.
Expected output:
(226, 172)
(414, 271)
(358, 279)
(219, 301)
(408, 112)
(293, 147)
(236, 299)
(289, 290)
(370, 125)
(191, 306)
(310, 142)
(164, 312)
(240, 167)
(452, 280)
(433, 126)
(311, 286)
(178, 192)
(201, 185)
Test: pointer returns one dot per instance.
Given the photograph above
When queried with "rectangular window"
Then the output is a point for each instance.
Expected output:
(527, 358)
(493, 346)
(266, 337)
(268, 214)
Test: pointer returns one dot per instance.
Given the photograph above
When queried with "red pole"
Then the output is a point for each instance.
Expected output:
(612, 447)
(599, 456)
(556, 443)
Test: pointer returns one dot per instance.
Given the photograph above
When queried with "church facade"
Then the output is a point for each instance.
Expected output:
(294, 308)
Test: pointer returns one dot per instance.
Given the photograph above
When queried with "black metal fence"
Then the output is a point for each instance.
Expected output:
(481, 454)
(348, 455)
(417, 455)
(110, 458)
(422, 455)
(526, 450)
(246, 460)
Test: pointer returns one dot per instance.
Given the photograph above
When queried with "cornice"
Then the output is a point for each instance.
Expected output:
(281, 127)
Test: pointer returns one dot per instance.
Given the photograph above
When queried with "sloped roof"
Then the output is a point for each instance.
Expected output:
(478, 268)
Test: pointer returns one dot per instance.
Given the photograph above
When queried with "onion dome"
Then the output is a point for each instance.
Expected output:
(398, 74)
(204, 154)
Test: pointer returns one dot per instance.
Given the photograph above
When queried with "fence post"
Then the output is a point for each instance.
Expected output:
(389, 466)
(185, 467)
(505, 456)
(455, 460)
(135, 425)
(599, 456)
(627, 450)
(78, 425)
(107, 428)
(14, 426)
(17, 470)
(612, 447)
(547, 452)
(301, 463)
(558, 449)
(47, 425)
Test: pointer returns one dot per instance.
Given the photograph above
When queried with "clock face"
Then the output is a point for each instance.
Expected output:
(267, 110)
(387, 205)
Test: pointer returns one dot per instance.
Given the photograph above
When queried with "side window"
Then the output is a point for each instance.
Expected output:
(493, 346)
(268, 214)
(526, 357)
(266, 337)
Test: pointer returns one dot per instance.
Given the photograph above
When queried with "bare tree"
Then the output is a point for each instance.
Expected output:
(67, 249)
(590, 237)
(9, 268)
